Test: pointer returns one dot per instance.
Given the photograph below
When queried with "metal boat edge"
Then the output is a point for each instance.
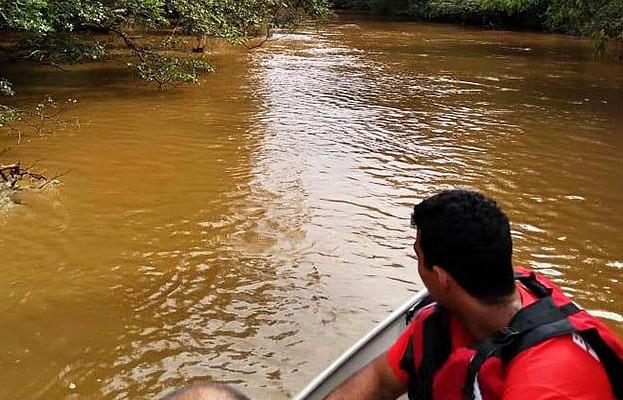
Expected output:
(363, 351)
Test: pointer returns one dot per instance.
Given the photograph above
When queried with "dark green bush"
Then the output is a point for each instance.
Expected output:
(586, 18)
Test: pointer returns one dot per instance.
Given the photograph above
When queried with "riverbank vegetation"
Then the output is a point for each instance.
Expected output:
(64, 32)
(58, 32)
(601, 20)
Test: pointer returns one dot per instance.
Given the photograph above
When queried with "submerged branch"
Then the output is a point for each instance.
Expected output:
(54, 178)
(57, 66)
(13, 173)
(260, 44)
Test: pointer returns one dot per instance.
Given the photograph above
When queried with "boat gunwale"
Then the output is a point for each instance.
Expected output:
(401, 311)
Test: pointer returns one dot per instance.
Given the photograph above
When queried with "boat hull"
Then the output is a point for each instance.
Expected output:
(364, 350)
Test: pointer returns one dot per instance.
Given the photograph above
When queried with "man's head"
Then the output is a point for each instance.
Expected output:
(205, 391)
(464, 235)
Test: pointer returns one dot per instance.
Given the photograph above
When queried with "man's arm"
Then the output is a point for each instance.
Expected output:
(374, 381)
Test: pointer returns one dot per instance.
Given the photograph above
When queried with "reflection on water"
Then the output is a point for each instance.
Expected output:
(249, 229)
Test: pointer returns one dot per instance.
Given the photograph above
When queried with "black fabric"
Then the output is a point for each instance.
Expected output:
(436, 350)
(531, 325)
(612, 363)
(484, 349)
(541, 312)
(547, 330)
(569, 308)
(412, 312)
(534, 337)
(407, 362)
(532, 284)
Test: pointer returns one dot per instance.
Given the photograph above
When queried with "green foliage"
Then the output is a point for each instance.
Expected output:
(600, 44)
(237, 19)
(43, 16)
(51, 27)
(446, 10)
(54, 30)
(24, 15)
(518, 13)
(567, 16)
(166, 71)
(586, 17)
(510, 7)
(227, 18)
(5, 88)
(385, 7)
(61, 48)
(7, 114)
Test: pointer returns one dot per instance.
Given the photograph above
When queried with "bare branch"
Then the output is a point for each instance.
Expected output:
(260, 44)
(140, 52)
(38, 177)
(177, 25)
(12, 173)
(55, 65)
(32, 54)
(54, 178)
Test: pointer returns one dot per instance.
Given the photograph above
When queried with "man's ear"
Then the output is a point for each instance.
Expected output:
(444, 279)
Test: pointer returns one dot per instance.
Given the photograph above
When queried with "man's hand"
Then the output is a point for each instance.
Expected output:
(376, 381)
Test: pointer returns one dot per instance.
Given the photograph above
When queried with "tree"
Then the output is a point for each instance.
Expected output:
(51, 29)
(600, 19)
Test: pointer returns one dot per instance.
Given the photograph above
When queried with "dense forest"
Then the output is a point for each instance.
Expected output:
(580, 17)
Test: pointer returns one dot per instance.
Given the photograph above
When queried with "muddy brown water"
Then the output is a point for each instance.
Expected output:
(249, 229)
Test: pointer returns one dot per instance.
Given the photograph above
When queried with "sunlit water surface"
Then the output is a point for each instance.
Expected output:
(249, 229)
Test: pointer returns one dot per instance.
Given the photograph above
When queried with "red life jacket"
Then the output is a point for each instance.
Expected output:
(435, 370)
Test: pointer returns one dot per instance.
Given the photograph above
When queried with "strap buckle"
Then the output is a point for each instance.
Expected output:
(505, 336)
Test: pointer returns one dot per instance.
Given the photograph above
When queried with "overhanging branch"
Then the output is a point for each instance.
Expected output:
(260, 44)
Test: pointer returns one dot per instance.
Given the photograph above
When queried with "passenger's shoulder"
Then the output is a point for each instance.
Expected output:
(556, 351)
(564, 366)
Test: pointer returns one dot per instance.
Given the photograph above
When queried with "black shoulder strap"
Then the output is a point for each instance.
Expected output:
(436, 349)
(534, 324)
(417, 307)
(484, 349)
(613, 364)
(531, 325)
(538, 322)
(532, 284)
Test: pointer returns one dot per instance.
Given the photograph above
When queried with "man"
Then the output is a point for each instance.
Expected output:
(488, 336)
(205, 391)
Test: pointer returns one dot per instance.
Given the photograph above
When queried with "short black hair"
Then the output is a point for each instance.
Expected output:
(468, 235)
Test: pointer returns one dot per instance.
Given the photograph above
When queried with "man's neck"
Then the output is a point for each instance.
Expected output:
(481, 319)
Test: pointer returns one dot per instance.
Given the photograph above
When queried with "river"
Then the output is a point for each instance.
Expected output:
(250, 228)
